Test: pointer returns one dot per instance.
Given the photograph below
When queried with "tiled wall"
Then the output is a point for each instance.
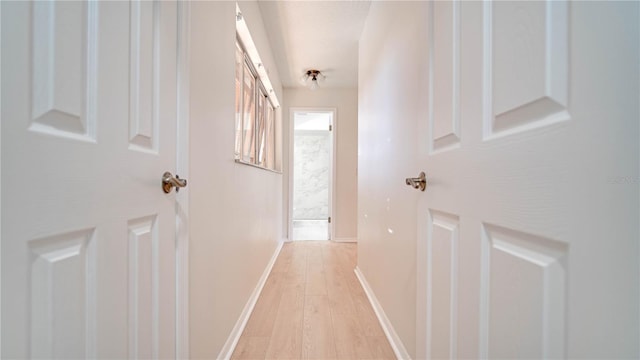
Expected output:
(311, 175)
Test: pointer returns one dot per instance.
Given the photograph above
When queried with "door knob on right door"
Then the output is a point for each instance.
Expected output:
(169, 182)
(419, 182)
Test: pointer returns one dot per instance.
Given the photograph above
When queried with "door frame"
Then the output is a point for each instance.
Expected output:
(332, 169)
(182, 168)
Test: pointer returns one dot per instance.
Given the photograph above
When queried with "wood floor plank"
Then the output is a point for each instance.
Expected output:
(286, 338)
(317, 339)
(350, 342)
(365, 314)
(316, 283)
(263, 317)
(297, 271)
(353, 282)
(284, 259)
(380, 348)
(338, 290)
(251, 348)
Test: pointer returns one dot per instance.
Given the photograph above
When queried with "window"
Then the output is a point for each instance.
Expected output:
(239, 117)
(255, 138)
(248, 114)
(270, 144)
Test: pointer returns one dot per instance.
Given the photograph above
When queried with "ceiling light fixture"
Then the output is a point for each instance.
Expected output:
(314, 75)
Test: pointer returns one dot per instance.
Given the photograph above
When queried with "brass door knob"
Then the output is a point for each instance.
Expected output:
(419, 182)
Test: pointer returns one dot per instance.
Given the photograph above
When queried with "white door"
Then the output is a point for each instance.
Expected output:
(88, 128)
(529, 225)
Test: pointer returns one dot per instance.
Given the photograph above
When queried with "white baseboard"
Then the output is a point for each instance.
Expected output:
(232, 341)
(389, 331)
(346, 240)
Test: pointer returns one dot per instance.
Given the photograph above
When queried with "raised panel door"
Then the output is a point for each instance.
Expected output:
(88, 129)
(530, 247)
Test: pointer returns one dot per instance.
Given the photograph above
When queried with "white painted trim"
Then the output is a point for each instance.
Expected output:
(1, 121)
(332, 170)
(290, 176)
(394, 340)
(345, 240)
(234, 336)
(182, 168)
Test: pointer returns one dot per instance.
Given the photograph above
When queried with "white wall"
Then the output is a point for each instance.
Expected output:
(346, 137)
(392, 94)
(235, 210)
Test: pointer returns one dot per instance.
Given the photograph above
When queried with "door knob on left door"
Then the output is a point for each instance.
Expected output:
(168, 182)
(419, 182)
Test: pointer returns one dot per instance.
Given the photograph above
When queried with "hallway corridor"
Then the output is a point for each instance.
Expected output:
(313, 307)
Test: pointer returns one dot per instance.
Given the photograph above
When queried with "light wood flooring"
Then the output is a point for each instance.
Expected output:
(313, 307)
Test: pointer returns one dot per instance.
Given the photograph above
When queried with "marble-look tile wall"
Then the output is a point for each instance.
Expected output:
(311, 159)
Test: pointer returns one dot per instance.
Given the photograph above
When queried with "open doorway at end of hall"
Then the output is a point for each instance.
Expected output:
(312, 164)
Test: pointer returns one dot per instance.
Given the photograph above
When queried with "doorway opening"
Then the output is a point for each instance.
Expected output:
(312, 164)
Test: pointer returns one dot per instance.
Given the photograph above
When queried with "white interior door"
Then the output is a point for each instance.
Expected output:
(88, 128)
(529, 225)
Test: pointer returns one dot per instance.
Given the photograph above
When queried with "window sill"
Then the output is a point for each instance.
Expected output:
(238, 161)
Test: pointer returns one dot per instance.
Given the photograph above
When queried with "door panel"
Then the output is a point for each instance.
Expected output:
(443, 294)
(524, 281)
(144, 70)
(143, 280)
(526, 51)
(444, 70)
(89, 123)
(63, 57)
(62, 294)
(518, 220)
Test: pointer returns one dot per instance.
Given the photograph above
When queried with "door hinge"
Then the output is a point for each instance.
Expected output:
(330, 127)
(329, 219)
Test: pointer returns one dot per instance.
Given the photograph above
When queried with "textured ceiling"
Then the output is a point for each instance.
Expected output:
(315, 34)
